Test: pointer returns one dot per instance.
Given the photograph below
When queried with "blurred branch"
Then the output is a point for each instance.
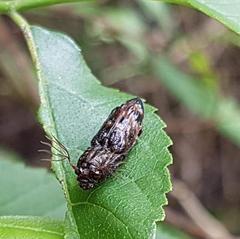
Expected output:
(212, 228)
(184, 223)
(23, 5)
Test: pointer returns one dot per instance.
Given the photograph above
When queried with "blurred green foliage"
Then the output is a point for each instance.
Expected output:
(28, 191)
(25, 227)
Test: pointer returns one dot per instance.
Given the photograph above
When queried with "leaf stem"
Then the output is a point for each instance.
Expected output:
(29, 4)
(7, 6)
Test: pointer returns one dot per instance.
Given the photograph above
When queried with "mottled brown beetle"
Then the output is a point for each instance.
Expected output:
(110, 145)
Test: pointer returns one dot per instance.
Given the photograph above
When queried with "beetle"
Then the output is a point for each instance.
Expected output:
(109, 146)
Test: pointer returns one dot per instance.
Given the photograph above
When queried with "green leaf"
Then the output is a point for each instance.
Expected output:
(28, 191)
(225, 11)
(201, 98)
(20, 227)
(73, 107)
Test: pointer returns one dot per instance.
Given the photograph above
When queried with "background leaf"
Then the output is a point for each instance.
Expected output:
(30, 227)
(225, 11)
(74, 105)
(201, 98)
(28, 191)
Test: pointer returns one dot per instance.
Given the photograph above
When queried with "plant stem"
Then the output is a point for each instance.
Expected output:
(29, 4)
(23, 5)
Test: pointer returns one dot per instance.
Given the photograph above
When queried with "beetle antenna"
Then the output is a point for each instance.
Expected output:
(61, 150)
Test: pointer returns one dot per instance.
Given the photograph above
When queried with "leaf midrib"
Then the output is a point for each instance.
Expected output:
(30, 229)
